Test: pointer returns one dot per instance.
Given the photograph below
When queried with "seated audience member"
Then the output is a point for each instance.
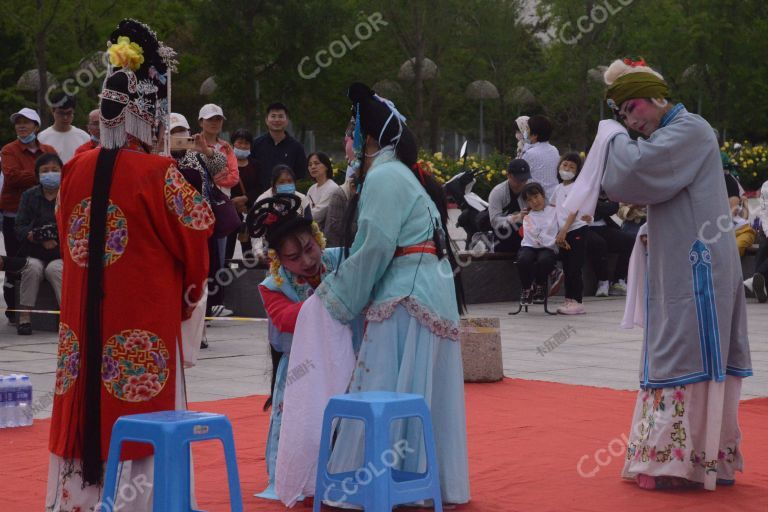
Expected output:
(757, 283)
(506, 207)
(632, 217)
(603, 238)
(38, 237)
(537, 255)
(18, 167)
(745, 234)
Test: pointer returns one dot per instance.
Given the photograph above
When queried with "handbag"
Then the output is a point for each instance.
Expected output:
(227, 220)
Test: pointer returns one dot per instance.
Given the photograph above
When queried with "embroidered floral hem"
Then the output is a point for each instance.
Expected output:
(669, 431)
(438, 325)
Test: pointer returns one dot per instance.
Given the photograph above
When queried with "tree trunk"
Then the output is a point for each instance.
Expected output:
(42, 71)
(434, 119)
(418, 72)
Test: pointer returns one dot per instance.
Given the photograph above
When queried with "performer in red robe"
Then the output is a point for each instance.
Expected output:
(134, 234)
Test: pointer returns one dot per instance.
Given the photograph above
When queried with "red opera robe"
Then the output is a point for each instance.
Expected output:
(156, 251)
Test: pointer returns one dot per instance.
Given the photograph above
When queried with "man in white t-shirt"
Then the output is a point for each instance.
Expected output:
(64, 137)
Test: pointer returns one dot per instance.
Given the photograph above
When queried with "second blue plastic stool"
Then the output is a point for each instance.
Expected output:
(388, 486)
(170, 434)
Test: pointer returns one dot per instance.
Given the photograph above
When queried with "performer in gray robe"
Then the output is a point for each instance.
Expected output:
(696, 349)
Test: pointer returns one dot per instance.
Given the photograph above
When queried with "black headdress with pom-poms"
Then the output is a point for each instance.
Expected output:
(275, 217)
(135, 96)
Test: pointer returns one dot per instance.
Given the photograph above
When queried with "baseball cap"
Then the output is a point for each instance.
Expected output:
(28, 113)
(520, 169)
(178, 121)
(210, 110)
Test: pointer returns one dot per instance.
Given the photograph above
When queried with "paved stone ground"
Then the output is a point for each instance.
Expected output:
(597, 352)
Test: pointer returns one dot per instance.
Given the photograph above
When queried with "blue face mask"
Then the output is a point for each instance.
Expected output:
(29, 138)
(242, 154)
(286, 188)
(50, 180)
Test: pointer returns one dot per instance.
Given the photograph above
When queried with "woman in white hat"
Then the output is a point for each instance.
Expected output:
(18, 167)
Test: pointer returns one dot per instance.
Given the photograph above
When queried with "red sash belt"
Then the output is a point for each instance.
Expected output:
(424, 247)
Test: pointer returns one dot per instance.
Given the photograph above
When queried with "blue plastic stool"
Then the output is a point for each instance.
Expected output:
(384, 487)
(170, 434)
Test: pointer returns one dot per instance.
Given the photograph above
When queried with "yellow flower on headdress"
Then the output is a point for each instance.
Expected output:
(274, 266)
(125, 54)
(319, 236)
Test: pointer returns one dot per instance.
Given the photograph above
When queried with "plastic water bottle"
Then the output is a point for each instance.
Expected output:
(11, 387)
(3, 411)
(24, 400)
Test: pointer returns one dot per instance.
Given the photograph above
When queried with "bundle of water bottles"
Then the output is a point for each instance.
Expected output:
(15, 401)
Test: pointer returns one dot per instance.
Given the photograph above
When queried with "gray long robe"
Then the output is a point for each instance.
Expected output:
(696, 325)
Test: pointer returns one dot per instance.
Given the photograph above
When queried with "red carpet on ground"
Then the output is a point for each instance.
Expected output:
(526, 439)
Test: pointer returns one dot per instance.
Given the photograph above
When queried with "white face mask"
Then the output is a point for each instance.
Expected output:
(567, 175)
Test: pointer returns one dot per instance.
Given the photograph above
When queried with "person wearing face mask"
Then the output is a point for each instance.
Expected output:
(696, 349)
(18, 167)
(37, 234)
(283, 182)
(571, 238)
(251, 185)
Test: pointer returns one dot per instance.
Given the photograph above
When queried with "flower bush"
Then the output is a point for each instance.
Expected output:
(748, 162)
(493, 169)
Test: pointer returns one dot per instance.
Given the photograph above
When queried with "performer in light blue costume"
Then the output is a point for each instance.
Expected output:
(399, 272)
(685, 429)
(299, 262)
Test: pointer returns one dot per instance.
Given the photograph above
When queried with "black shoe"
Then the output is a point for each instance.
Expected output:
(538, 294)
(525, 297)
(204, 343)
(24, 329)
(758, 287)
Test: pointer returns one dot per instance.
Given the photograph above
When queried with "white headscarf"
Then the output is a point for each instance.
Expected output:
(522, 127)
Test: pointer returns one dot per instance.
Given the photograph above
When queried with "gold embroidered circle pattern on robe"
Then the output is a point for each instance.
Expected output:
(185, 202)
(134, 365)
(79, 226)
(67, 360)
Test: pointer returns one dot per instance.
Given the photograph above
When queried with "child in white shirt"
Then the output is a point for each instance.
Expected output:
(537, 255)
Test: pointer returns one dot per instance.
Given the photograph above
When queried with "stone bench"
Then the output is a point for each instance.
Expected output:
(241, 295)
(488, 277)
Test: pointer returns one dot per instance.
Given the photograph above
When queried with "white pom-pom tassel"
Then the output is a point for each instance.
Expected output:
(615, 70)
(619, 68)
